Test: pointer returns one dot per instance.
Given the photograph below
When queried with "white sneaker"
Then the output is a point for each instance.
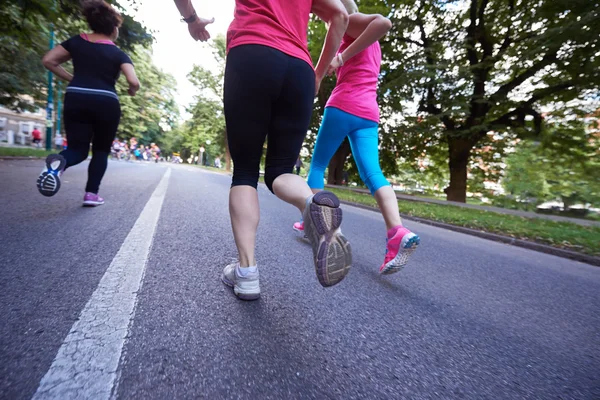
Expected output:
(245, 287)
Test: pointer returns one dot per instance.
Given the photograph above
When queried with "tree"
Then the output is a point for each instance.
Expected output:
(153, 111)
(24, 36)
(481, 66)
(562, 166)
(207, 122)
(523, 176)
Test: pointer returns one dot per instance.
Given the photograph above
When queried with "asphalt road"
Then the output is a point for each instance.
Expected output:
(467, 318)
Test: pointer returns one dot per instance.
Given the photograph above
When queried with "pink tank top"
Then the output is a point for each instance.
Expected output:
(356, 88)
(273, 23)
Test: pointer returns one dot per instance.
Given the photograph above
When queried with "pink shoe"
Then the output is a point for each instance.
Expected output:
(299, 226)
(92, 200)
(400, 244)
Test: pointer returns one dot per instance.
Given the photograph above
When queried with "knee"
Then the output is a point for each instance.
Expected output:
(81, 154)
(375, 181)
(269, 179)
(100, 153)
(273, 173)
(317, 164)
(244, 177)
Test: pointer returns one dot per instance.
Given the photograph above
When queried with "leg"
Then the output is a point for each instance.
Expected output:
(401, 242)
(79, 132)
(96, 171)
(333, 130)
(105, 130)
(79, 128)
(365, 150)
(251, 77)
(322, 214)
(289, 123)
(244, 212)
(388, 204)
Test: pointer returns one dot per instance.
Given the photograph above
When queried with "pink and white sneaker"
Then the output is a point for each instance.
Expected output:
(299, 226)
(400, 244)
(92, 200)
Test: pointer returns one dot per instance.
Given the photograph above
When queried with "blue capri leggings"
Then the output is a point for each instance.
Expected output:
(364, 141)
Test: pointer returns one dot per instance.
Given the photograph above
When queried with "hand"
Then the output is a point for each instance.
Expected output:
(198, 29)
(132, 91)
(333, 67)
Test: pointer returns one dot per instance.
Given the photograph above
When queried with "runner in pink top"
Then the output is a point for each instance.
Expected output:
(271, 23)
(352, 111)
(269, 91)
(356, 88)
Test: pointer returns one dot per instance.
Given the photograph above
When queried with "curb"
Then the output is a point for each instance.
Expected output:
(21, 158)
(542, 248)
(497, 210)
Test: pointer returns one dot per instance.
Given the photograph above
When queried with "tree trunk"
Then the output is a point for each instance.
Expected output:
(335, 176)
(568, 202)
(459, 154)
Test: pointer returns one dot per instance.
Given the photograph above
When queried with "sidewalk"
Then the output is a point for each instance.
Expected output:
(525, 214)
(21, 146)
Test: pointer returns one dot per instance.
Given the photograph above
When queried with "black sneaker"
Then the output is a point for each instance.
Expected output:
(48, 183)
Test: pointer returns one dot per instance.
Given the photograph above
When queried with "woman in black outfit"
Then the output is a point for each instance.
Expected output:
(91, 110)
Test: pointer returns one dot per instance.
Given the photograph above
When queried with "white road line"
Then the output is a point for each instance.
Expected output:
(86, 364)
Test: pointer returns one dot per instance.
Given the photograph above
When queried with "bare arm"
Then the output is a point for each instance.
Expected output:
(336, 16)
(132, 79)
(367, 29)
(198, 27)
(185, 7)
(53, 60)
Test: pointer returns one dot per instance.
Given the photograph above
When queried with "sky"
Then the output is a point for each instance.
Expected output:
(174, 51)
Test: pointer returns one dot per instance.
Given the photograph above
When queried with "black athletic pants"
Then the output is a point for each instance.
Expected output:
(90, 118)
(267, 94)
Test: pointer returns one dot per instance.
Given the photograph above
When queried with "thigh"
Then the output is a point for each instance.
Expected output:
(334, 128)
(291, 114)
(106, 123)
(364, 143)
(78, 122)
(252, 79)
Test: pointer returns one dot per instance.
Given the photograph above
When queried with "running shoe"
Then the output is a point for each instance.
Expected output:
(299, 226)
(331, 251)
(48, 183)
(92, 200)
(398, 249)
(245, 287)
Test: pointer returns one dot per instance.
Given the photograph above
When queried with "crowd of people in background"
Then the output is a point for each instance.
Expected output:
(132, 150)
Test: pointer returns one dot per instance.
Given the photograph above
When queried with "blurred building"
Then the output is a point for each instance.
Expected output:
(16, 128)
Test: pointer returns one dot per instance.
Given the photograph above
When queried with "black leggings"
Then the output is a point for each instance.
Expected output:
(90, 118)
(267, 94)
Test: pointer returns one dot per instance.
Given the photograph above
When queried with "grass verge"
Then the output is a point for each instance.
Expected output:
(23, 152)
(558, 234)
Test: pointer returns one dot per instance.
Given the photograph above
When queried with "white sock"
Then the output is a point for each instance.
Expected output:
(244, 271)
